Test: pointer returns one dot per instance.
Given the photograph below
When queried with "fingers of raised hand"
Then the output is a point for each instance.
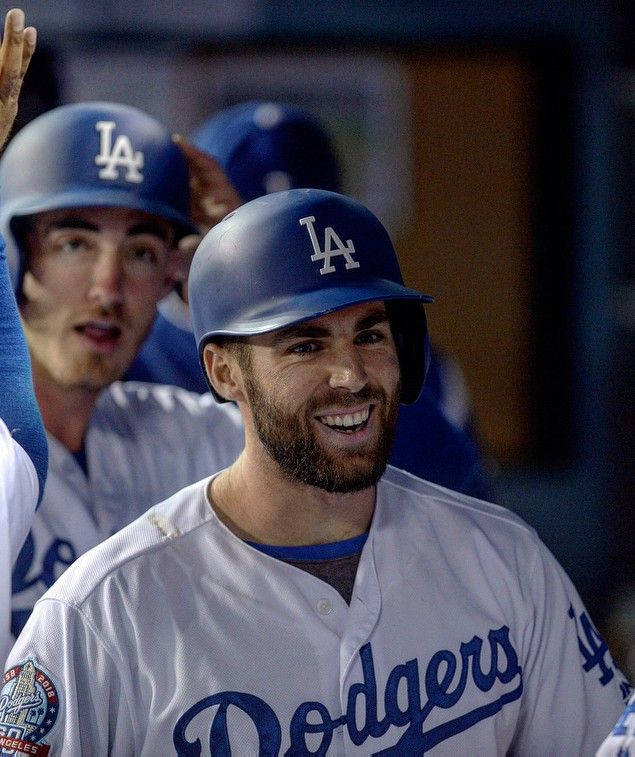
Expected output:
(18, 45)
(213, 195)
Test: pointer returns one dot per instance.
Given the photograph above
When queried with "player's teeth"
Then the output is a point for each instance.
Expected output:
(350, 419)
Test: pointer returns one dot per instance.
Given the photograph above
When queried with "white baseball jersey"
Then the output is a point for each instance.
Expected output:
(144, 443)
(18, 497)
(621, 741)
(463, 636)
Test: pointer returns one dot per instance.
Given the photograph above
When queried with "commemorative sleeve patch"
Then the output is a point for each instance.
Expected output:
(29, 705)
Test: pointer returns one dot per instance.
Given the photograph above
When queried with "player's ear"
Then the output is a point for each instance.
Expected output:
(179, 262)
(30, 287)
(175, 272)
(223, 371)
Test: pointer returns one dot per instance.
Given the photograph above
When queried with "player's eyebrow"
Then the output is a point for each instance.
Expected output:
(145, 227)
(73, 222)
(300, 330)
(372, 319)
(313, 331)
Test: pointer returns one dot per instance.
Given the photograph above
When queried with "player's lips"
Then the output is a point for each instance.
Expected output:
(346, 422)
(100, 333)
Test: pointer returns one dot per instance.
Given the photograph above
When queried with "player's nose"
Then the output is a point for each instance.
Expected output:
(107, 278)
(347, 370)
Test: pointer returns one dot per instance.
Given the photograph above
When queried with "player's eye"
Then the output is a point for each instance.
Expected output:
(72, 245)
(370, 337)
(303, 348)
(146, 252)
(69, 242)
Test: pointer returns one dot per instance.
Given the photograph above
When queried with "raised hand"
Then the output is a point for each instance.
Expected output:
(17, 49)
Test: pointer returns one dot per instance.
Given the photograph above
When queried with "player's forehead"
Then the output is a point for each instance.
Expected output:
(125, 221)
(351, 319)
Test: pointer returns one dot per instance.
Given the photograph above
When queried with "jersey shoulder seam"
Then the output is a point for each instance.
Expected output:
(456, 499)
(72, 606)
(164, 541)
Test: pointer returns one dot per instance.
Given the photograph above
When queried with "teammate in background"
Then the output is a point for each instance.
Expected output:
(23, 451)
(265, 147)
(621, 741)
(307, 599)
(93, 202)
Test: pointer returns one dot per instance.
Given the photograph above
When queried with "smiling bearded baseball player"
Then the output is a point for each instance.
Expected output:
(307, 599)
(265, 147)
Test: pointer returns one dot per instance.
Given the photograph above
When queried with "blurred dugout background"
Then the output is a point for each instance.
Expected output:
(496, 143)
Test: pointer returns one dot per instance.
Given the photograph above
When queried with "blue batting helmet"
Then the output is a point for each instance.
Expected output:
(267, 147)
(90, 155)
(291, 256)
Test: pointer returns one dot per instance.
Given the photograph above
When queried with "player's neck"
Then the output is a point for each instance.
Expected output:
(66, 411)
(259, 503)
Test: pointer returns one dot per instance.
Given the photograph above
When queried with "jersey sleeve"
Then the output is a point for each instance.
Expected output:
(18, 497)
(573, 691)
(18, 491)
(18, 407)
(61, 664)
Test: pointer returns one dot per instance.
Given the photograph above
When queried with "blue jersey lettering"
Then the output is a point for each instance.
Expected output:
(313, 717)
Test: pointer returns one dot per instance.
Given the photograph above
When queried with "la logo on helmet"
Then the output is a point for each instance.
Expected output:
(330, 238)
(120, 155)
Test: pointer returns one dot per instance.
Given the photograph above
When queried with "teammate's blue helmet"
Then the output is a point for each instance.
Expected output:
(291, 256)
(268, 147)
(90, 155)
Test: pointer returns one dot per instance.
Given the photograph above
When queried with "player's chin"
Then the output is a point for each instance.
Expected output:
(359, 474)
(97, 371)
(359, 457)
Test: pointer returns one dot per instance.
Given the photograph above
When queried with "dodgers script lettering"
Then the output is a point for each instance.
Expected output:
(445, 681)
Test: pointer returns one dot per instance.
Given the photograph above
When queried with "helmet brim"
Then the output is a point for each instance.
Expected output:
(107, 198)
(287, 310)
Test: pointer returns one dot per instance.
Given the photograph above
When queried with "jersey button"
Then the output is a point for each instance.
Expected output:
(324, 606)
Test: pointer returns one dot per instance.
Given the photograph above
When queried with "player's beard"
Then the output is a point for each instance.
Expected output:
(292, 443)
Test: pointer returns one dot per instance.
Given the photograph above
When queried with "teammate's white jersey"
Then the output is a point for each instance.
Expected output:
(18, 496)
(463, 636)
(144, 443)
(621, 741)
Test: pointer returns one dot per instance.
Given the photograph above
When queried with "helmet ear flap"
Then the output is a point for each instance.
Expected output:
(410, 332)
